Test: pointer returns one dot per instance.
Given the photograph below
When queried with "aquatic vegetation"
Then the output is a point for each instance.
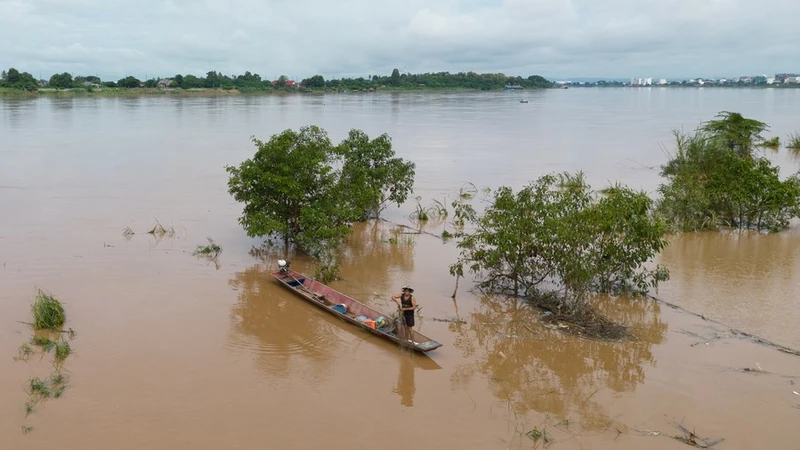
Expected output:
(573, 243)
(210, 250)
(793, 141)
(773, 143)
(62, 350)
(48, 313)
(25, 351)
(159, 230)
(715, 180)
(43, 342)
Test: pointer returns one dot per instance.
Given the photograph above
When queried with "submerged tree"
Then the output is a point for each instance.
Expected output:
(735, 132)
(372, 175)
(715, 179)
(557, 242)
(303, 189)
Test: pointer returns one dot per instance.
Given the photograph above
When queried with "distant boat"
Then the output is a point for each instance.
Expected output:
(523, 101)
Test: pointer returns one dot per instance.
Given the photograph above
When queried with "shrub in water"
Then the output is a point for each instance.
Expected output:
(48, 313)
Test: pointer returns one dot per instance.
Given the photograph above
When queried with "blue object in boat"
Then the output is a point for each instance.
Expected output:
(341, 309)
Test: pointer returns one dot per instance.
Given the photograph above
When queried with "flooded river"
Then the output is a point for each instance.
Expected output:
(176, 352)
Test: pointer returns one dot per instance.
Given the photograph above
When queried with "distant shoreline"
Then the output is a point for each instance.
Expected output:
(217, 92)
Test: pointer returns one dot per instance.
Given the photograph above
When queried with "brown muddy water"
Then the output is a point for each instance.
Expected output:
(177, 352)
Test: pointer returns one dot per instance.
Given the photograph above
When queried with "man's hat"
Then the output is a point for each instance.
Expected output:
(408, 288)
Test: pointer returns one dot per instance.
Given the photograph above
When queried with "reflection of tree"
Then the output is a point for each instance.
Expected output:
(368, 259)
(287, 335)
(538, 369)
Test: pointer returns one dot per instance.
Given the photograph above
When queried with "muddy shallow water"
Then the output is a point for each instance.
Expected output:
(173, 351)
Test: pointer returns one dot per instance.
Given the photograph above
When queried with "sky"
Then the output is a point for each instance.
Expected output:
(558, 39)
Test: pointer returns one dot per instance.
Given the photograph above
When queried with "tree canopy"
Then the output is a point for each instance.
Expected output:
(716, 179)
(559, 240)
(249, 82)
(300, 187)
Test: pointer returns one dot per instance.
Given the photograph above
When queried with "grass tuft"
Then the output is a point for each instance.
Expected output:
(48, 313)
(773, 143)
(159, 230)
(39, 388)
(793, 141)
(62, 350)
(26, 430)
(211, 250)
(25, 351)
(43, 342)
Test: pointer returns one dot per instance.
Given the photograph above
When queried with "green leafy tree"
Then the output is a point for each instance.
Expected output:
(394, 79)
(61, 81)
(178, 80)
(715, 180)
(556, 241)
(317, 81)
(13, 79)
(736, 132)
(129, 82)
(372, 175)
(290, 190)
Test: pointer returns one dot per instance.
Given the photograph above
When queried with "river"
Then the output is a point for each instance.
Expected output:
(172, 351)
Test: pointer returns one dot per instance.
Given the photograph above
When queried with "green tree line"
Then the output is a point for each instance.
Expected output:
(254, 82)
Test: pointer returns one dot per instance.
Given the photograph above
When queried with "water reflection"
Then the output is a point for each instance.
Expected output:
(372, 256)
(287, 337)
(746, 280)
(535, 368)
(405, 387)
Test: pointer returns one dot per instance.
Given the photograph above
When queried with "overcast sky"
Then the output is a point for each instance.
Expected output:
(299, 38)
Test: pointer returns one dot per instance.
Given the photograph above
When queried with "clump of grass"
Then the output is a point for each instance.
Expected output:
(438, 210)
(25, 351)
(39, 389)
(48, 313)
(421, 214)
(43, 342)
(58, 382)
(467, 191)
(446, 235)
(127, 232)
(773, 143)
(29, 408)
(160, 231)
(62, 350)
(793, 141)
(211, 250)
(26, 430)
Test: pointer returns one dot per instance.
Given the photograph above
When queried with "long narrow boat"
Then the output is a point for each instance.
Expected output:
(351, 310)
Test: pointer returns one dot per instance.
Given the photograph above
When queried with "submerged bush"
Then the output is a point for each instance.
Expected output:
(48, 313)
(557, 242)
(715, 180)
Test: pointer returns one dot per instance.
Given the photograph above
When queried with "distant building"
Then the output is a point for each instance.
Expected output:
(662, 81)
(513, 87)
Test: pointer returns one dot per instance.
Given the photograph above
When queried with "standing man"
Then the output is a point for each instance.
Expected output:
(407, 303)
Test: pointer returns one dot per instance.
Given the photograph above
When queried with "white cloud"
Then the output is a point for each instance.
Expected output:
(360, 37)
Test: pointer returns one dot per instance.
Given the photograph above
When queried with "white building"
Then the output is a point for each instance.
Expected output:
(662, 81)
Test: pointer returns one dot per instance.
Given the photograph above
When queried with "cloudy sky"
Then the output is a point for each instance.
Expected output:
(299, 38)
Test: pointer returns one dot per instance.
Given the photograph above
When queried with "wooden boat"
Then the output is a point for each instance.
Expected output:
(351, 310)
